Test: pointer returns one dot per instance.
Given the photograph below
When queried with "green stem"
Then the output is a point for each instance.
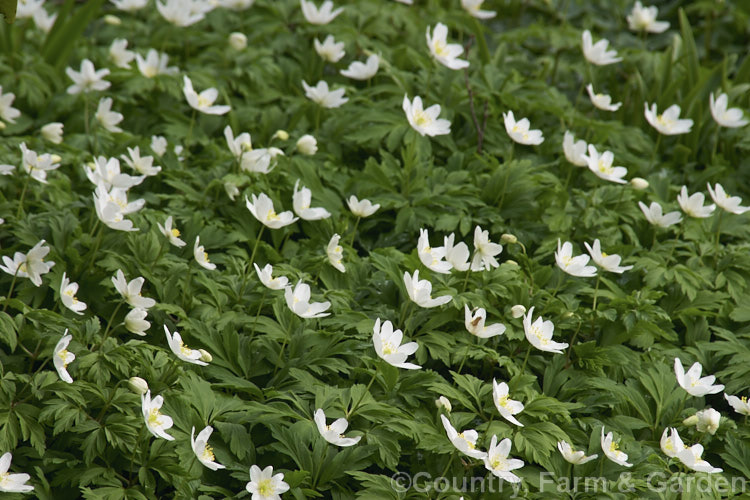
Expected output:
(189, 280)
(190, 130)
(109, 326)
(466, 280)
(526, 359)
(354, 232)
(448, 465)
(466, 354)
(656, 151)
(718, 234)
(361, 397)
(572, 342)
(682, 405)
(317, 120)
(593, 307)
(715, 145)
(23, 194)
(283, 346)
(255, 247)
(257, 315)
(12, 285)
(505, 182)
(86, 118)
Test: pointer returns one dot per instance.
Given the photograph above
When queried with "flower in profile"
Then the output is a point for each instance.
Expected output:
(597, 53)
(484, 251)
(7, 111)
(204, 101)
(119, 53)
(106, 117)
(264, 485)
(37, 165)
(106, 172)
(387, 342)
(109, 207)
(335, 253)
(30, 265)
(573, 457)
(539, 333)
(474, 8)
(609, 263)
(575, 266)
(129, 5)
(68, 292)
(156, 422)
(499, 464)
(87, 79)
(519, 130)
(172, 233)
(329, 50)
(575, 151)
(238, 41)
(431, 257)
(729, 203)
(202, 450)
(611, 451)
(298, 301)
(307, 145)
(517, 311)
(474, 323)
(644, 19)
(181, 350)
(506, 406)
(691, 458)
(131, 291)
(324, 97)
(731, 118)
(12, 483)
(264, 275)
(62, 358)
(671, 444)
(420, 291)
(740, 405)
(144, 165)
(705, 421)
(601, 165)
(602, 101)
(425, 121)
(137, 385)
(692, 381)
(362, 71)
(445, 53)
(301, 200)
(639, 183)
(655, 216)
(181, 13)
(443, 403)
(201, 256)
(158, 145)
(155, 63)
(262, 209)
(324, 15)
(334, 433)
(362, 208)
(456, 255)
(465, 441)
(669, 122)
(135, 321)
(693, 205)
(53, 132)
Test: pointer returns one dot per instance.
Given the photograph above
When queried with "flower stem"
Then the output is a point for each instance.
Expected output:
(526, 359)
(715, 145)
(189, 279)
(257, 315)
(656, 151)
(466, 354)
(23, 194)
(109, 326)
(283, 346)
(190, 129)
(362, 396)
(593, 307)
(257, 242)
(354, 232)
(10, 292)
(466, 280)
(718, 234)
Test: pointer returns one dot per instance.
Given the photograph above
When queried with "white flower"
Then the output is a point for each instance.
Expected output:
(30, 265)
(334, 433)
(539, 333)
(68, 292)
(484, 251)
(131, 291)
(740, 405)
(129, 5)
(324, 15)
(53, 132)
(597, 53)
(329, 50)
(106, 172)
(362, 71)
(232, 190)
(644, 19)
(301, 200)
(671, 444)
(474, 8)
(202, 450)
(517, 311)
(62, 358)
(172, 234)
(609, 263)
(201, 256)
(321, 95)
(141, 164)
(298, 301)
(108, 118)
(264, 275)
(264, 485)
(37, 165)
(692, 381)
(236, 5)
(691, 458)
(575, 151)
(203, 102)
(307, 145)
(425, 121)
(575, 266)
(731, 117)
(573, 457)
(158, 145)
(611, 451)
(87, 79)
(120, 54)
(262, 209)
(335, 253)
(181, 350)
(112, 206)
(707, 421)
(669, 122)
(26, 8)
(693, 205)
(654, 215)
(729, 203)
(238, 41)
(432, 258)
(465, 441)
(12, 483)
(135, 321)
(420, 291)
(601, 165)
(456, 255)
(499, 464)
(112, 20)
(444, 403)
(44, 20)
(445, 53)
(155, 64)
(602, 101)
(519, 130)
(387, 342)
(137, 385)
(363, 208)
(156, 422)
(7, 111)
(261, 160)
(506, 406)
(181, 13)
(474, 323)
(639, 183)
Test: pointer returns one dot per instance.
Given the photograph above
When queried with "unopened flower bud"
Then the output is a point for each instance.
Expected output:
(512, 263)
(2, 125)
(53, 132)
(281, 135)
(112, 20)
(568, 315)
(138, 385)
(443, 403)
(638, 183)
(55, 158)
(508, 239)
(205, 356)
(693, 420)
(237, 41)
(232, 190)
(307, 145)
(517, 311)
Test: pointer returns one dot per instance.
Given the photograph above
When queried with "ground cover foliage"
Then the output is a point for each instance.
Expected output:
(270, 368)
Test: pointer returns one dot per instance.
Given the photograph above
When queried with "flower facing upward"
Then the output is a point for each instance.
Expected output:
(201, 256)
(597, 53)
(644, 19)
(301, 200)
(68, 292)
(156, 422)
(539, 333)
(519, 130)
(87, 79)
(37, 165)
(329, 50)
(420, 291)
(669, 122)
(655, 216)
(131, 291)
(183, 352)
(707, 421)
(731, 118)
(155, 63)
(601, 165)
(106, 172)
(129, 5)
(729, 203)
(298, 300)
(506, 406)
(499, 464)
(445, 53)
(573, 457)
(611, 451)
(693, 205)
(265, 485)
(362, 208)
(324, 15)
(474, 323)
(120, 54)
(264, 275)
(203, 102)
(387, 342)
(144, 165)
(484, 251)
(425, 121)
(112, 206)
(202, 450)
(335, 253)
(62, 358)
(334, 433)
(692, 381)
(262, 209)
(12, 483)
(106, 117)
(602, 101)
(323, 96)
(362, 71)
(575, 151)
(609, 263)
(172, 233)
(465, 441)
(575, 266)
(474, 8)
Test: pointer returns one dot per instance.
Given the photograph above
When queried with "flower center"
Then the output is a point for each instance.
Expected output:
(421, 119)
(536, 332)
(154, 417)
(185, 349)
(203, 102)
(499, 463)
(208, 454)
(265, 487)
(150, 71)
(441, 48)
(63, 354)
(175, 233)
(388, 348)
(272, 215)
(469, 443)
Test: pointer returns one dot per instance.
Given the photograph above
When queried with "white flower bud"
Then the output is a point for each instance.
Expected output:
(231, 189)
(638, 183)
(112, 20)
(708, 421)
(443, 403)
(205, 356)
(282, 135)
(512, 263)
(508, 239)
(237, 41)
(307, 145)
(55, 158)
(138, 385)
(517, 311)
(53, 132)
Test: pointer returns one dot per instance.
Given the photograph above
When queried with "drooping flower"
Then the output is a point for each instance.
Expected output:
(264, 275)
(53, 132)
(574, 457)
(323, 96)
(611, 451)
(597, 53)
(135, 321)
(729, 203)
(334, 433)
(474, 8)
(181, 350)
(262, 209)
(601, 165)
(201, 256)
(335, 253)
(298, 301)
(420, 291)
(654, 215)
(484, 251)
(692, 381)
(474, 323)
(329, 50)
(131, 291)
(87, 79)
(307, 145)
(671, 444)
(465, 441)
(7, 111)
(431, 257)
(106, 117)
(693, 205)
(539, 333)
(425, 121)
(575, 151)
(264, 485)
(141, 164)
(517, 311)
(575, 266)
(202, 450)
(156, 422)
(740, 405)
(30, 265)
(387, 342)
(62, 358)
(158, 145)
(457, 255)
(204, 101)
(669, 122)
(506, 406)
(519, 130)
(602, 101)
(362, 208)
(362, 71)
(731, 118)
(12, 483)
(106, 172)
(68, 296)
(609, 263)
(644, 19)
(444, 403)
(324, 15)
(172, 233)
(499, 464)
(301, 200)
(120, 54)
(445, 53)
(112, 206)
(155, 63)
